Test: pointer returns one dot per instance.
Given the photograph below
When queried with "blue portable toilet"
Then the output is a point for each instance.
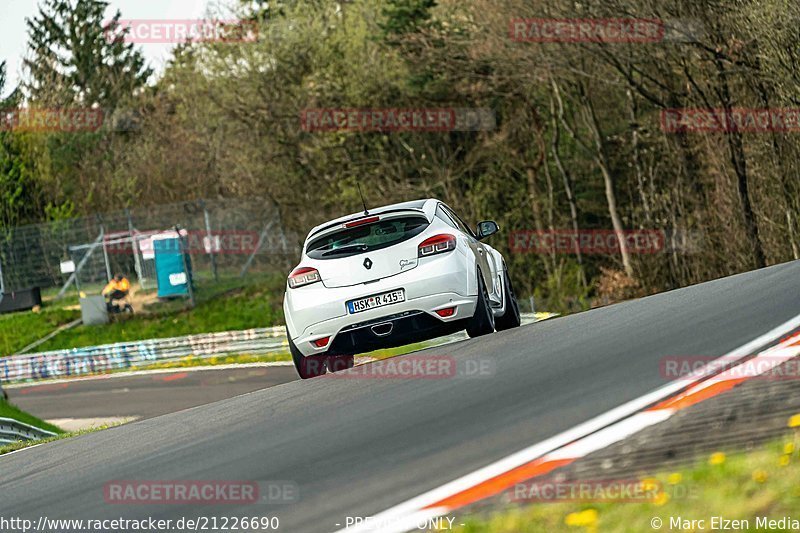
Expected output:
(171, 274)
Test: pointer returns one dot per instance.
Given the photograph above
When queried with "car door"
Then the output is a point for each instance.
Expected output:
(481, 252)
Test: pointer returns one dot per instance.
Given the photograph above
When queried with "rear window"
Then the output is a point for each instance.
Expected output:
(366, 238)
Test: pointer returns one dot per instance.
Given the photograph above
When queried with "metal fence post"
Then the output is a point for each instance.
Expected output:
(137, 264)
(74, 276)
(105, 252)
(189, 287)
(210, 241)
(261, 238)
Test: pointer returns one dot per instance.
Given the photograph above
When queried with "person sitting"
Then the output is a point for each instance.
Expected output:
(117, 289)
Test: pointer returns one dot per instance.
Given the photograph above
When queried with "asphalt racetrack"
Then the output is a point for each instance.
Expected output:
(356, 444)
(144, 395)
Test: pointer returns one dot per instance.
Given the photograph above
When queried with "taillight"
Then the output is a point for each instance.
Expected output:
(446, 312)
(321, 343)
(303, 276)
(436, 245)
(361, 222)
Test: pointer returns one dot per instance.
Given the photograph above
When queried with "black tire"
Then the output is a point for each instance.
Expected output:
(510, 318)
(482, 322)
(308, 367)
(337, 363)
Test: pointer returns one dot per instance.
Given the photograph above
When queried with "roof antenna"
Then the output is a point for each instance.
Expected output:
(363, 202)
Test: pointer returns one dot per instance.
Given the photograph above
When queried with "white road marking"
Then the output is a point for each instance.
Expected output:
(20, 450)
(404, 516)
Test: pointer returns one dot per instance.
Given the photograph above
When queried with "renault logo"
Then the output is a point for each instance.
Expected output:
(367, 263)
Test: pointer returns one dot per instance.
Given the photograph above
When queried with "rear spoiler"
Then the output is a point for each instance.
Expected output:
(358, 218)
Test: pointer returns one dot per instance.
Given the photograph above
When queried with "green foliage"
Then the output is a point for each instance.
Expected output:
(78, 57)
(578, 140)
(406, 16)
(254, 306)
(18, 330)
(9, 410)
(563, 290)
(19, 192)
(58, 212)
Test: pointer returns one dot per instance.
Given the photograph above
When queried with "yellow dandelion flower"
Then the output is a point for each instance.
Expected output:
(650, 484)
(585, 518)
(661, 498)
(716, 458)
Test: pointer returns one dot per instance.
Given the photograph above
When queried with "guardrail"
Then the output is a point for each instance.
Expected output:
(122, 355)
(13, 430)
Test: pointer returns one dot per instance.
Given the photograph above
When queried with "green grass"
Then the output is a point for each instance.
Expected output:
(192, 361)
(8, 448)
(742, 485)
(221, 306)
(246, 307)
(18, 330)
(8, 410)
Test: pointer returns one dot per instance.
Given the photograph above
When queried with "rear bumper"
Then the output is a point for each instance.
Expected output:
(317, 311)
(385, 327)
(391, 331)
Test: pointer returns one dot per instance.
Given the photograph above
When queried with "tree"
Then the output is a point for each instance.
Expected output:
(406, 16)
(19, 194)
(77, 58)
(74, 59)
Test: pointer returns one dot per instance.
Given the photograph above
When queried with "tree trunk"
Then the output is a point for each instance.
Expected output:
(637, 162)
(565, 176)
(739, 161)
(532, 172)
(602, 161)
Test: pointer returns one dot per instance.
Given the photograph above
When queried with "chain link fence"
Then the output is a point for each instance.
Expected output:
(227, 241)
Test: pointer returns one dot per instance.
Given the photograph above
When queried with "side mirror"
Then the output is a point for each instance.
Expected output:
(486, 228)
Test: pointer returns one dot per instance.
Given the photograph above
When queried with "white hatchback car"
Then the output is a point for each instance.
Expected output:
(391, 276)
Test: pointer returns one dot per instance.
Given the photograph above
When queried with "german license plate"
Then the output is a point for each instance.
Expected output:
(377, 300)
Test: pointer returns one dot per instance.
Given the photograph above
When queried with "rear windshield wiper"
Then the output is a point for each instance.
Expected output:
(346, 249)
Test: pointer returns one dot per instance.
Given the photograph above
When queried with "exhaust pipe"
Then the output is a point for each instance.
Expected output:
(382, 330)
